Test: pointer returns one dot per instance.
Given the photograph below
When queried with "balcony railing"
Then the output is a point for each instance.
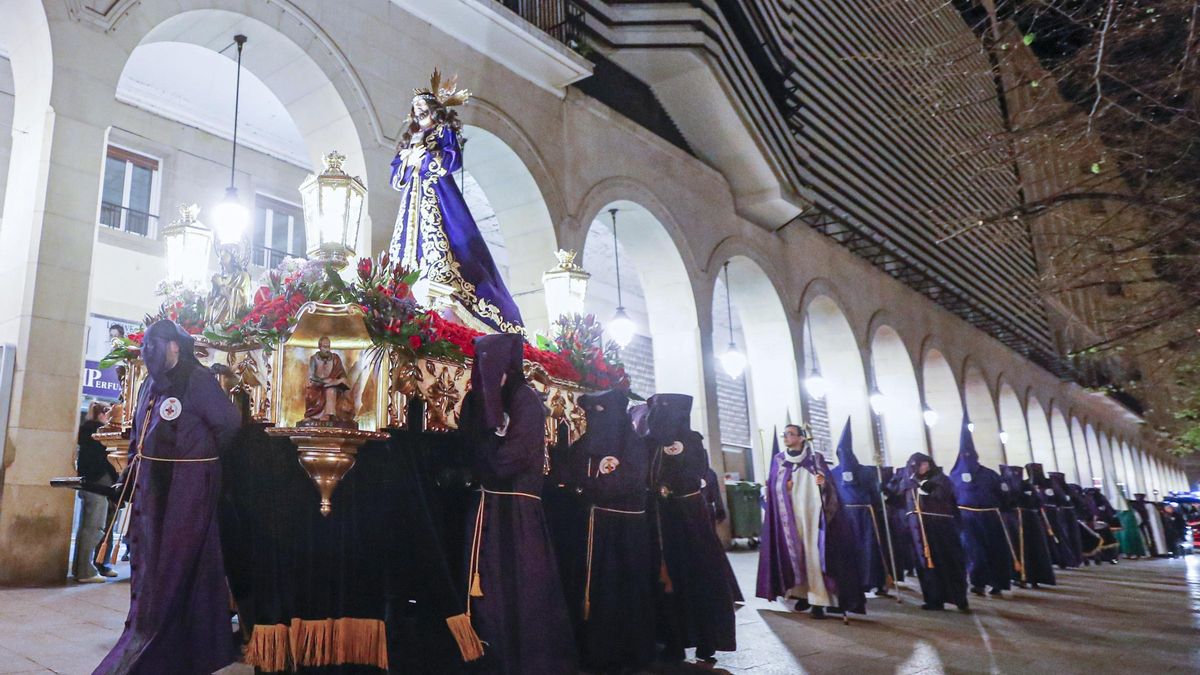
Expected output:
(128, 220)
(561, 19)
(268, 257)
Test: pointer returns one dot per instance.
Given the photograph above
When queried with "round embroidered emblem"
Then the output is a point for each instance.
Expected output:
(170, 409)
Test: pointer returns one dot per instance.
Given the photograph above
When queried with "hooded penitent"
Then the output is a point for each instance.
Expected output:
(1032, 534)
(514, 596)
(933, 521)
(1095, 516)
(1060, 541)
(179, 609)
(977, 489)
(1068, 512)
(858, 489)
(695, 598)
(614, 588)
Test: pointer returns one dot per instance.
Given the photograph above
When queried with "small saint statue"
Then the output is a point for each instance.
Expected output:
(231, 288)
(435, 232)
(327, 396)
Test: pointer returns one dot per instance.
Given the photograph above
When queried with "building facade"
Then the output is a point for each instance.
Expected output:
(826, 195)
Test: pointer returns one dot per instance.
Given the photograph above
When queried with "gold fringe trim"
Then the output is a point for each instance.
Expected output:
(269, 649)
(464, 634)
(318, 642)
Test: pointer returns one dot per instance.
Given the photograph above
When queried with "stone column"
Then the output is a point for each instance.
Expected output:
(47, 236)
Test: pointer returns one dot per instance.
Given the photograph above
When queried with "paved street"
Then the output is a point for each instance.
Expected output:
(1135, 617)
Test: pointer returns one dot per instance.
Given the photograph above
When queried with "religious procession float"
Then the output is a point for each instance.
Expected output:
(343, 495)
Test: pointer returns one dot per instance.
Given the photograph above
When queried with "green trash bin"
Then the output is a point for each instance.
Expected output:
(745, 514)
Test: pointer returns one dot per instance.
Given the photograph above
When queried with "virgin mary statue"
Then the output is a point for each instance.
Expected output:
(435, 232)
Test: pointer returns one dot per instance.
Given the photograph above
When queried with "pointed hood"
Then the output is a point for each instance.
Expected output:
(495, 357)
(968, 458)
(608, 423)
(668, 418)
(775, 440)
(847, 462)
(975, 485)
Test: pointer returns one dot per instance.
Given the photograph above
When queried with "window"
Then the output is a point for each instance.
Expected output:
(129, 193)
(278, 231)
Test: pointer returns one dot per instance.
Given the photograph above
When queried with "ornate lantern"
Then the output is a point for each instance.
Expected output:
(333, 203)
(189, 242)
(566, 286)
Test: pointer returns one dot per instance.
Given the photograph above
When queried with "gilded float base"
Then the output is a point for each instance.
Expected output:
(327, 454)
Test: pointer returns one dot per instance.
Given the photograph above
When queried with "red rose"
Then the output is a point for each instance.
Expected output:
(415, 341)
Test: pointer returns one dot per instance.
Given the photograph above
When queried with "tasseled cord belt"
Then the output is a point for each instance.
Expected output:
(587, 587)
(1018, 564)
(120, 520)
(475, 588)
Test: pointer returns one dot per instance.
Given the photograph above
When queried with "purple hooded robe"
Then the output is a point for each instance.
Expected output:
(1061, 550)
(695, 602)
(179, 601)
(436, 233)
(1030, 529)
(933, 519)
(514, 596)
(862, 506)
(616, 584)
(977, 489)
(781, 556)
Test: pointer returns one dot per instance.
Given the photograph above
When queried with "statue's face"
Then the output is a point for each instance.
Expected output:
(323, 346)
(421, 111)
(923, 469)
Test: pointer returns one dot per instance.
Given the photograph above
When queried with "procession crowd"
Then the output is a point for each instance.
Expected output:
(603, 554)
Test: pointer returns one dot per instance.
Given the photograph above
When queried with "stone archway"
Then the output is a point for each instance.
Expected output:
(900, 397)
(942, 396)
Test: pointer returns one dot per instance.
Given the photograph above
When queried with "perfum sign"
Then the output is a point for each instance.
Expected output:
(101, 383)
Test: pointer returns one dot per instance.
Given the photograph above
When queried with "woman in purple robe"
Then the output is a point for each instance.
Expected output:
(695, 604)
(933, 519)
(1033, 532)
(514, 597)
(616, 588)
(858, 489)
(435, 232)
(986, 540)
(179, 601)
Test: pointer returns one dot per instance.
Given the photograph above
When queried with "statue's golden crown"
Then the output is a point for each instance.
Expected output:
(445, 93)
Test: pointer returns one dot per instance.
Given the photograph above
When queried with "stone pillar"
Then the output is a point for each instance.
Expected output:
(47, 236)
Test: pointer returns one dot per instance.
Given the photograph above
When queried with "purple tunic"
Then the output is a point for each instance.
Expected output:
(179, 601)
(695, 603)
(616, 580)
(515, 600)
(985, 537)
(858, 488)
(780, 554)
(933, 521)
(436, 233)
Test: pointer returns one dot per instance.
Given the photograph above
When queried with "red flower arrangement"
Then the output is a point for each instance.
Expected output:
(463, 337)
(185, 306)
(394, 319)
(579, 339)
